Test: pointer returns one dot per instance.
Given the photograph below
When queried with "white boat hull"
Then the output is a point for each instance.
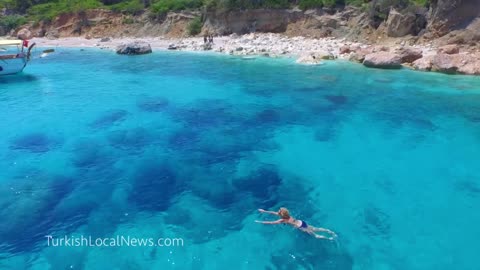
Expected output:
(12, 66)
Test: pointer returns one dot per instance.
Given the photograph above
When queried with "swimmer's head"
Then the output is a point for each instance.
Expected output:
(283, 213)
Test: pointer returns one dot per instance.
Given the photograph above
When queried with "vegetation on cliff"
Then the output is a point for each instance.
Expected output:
(17, 12)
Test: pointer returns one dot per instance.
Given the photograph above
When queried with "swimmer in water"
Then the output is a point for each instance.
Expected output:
(285, 218)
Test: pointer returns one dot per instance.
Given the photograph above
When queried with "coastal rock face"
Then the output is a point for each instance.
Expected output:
(134, 48)
(410, 55)
(248, 21)
(382, 60)
(450, 64)
(450, 49)
(444, 63)
(456, 63)
(399, 25)
(448, 15)
(423, 64)
(24, 34)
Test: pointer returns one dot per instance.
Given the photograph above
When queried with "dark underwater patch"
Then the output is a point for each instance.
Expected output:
(406, 120)
(325, 133)
(154, 186)
(36, 142)
(205, 114)
(219, 194)
(88, 153)
(153, 104)
(336, 99)
(26, 210)
(183, 139)
(469, 187)
(109, 118)
(131, 139)
(268, 116)
(262, 184)
(376, 222)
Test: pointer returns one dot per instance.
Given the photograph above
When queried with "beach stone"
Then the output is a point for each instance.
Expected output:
(24, 33)
(172, 47)
(314, 58)
(444, 63)
(450, 49)
(105, 39)
(423, 64)
(471, 68)
(409, 55)
(345, 49)
(134, 48)
(382, 60)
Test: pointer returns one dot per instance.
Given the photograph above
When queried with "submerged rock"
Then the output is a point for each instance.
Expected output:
(315, 58)
(134, 48)
(382, 60)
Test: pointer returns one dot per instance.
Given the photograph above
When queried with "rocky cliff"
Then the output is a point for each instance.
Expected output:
(445, 22)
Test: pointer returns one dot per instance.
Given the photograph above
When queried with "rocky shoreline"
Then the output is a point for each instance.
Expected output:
(448, 59)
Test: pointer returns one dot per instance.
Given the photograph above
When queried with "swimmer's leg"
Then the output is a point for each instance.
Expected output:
(323, 230)
(310, 230)
(314, 229)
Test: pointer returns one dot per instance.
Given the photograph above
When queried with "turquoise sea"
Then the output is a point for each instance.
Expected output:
(187, 145)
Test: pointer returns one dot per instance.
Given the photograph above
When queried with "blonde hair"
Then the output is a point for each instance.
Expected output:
(283, 213)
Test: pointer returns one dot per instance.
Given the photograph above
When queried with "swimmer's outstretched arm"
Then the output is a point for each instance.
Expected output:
(270, 222)
(268, 212)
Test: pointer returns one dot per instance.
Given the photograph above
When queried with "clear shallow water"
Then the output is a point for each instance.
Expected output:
(187, 145)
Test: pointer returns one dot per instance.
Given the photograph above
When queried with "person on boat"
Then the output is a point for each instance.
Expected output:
(285, 218)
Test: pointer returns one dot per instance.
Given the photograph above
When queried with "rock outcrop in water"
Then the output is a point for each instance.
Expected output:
(134, 48)
(383, 60)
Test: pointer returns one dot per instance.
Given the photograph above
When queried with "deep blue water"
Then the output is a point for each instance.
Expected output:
(189, 146)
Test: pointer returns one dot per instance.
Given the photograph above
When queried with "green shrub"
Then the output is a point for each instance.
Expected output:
(357, 3)
(330, 3)
(309, 4)
(276, 4)
(49, 11)
(420, 3)
(195, 26)
(164, 6)
(11, 22)
(128, 7)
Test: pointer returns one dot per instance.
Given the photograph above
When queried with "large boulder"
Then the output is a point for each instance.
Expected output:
(444, 63)
(448, 15)
(423, 64)
(134, 48)
(383, 60)
(450, 49)
(410, 55)
(399, 25)
(471, 67)
(24, 34)
(52, 34)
